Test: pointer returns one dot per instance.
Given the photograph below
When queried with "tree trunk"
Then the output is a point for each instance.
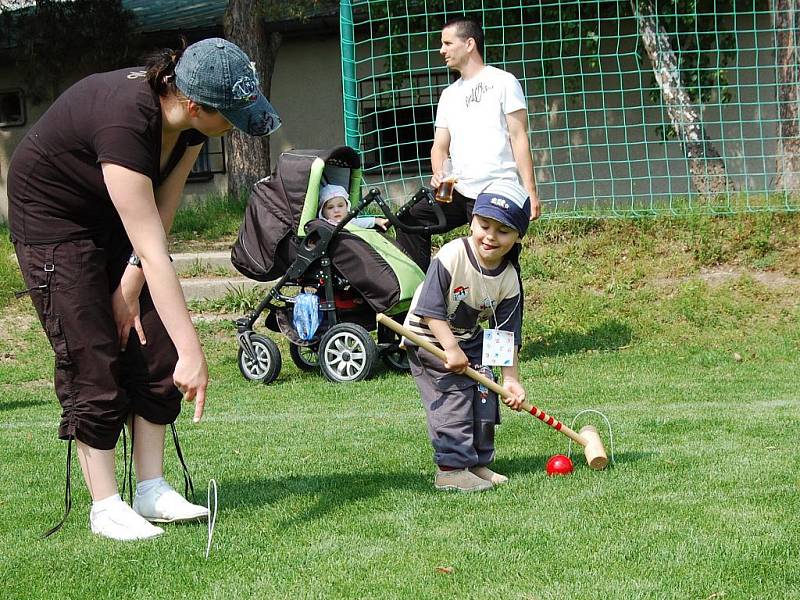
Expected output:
(787, 21)
(247, 157)
(706, 167)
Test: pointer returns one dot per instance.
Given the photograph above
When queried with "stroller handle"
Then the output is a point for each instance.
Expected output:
(396, 218)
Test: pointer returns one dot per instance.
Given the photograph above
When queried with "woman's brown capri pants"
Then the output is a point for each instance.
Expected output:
(99, 386)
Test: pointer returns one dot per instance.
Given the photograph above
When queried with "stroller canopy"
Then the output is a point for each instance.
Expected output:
(283, 207)
(280, 206)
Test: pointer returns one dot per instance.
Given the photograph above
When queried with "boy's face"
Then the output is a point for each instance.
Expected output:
(493, 240)
(335, 209)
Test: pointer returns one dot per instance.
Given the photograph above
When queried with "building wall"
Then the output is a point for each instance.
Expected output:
(10, 136)
(306, 91)
(602, 150)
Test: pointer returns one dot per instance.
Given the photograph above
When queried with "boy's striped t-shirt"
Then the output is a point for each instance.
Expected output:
(458, 290)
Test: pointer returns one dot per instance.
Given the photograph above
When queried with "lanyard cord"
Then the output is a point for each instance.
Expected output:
(486, 291)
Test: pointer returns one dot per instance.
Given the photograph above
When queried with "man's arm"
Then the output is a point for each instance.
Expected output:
(439, 151)
(517, 122)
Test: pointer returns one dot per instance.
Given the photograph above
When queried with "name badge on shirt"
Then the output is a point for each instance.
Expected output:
(498, 348)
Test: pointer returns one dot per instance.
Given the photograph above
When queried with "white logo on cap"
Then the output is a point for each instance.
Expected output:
(245, 89)
(501, 202)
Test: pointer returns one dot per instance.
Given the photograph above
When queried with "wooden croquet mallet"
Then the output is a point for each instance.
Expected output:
(588, 436)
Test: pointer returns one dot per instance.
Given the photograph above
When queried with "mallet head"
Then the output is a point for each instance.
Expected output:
(593, 450)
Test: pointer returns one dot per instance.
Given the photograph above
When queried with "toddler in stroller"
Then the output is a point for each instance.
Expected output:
(354, 272)
(334, 204)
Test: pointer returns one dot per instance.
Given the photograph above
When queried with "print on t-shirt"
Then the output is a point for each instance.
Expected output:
(477, 92)
(460, 292)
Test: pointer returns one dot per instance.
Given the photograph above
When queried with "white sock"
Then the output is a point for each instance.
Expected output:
(106, 503)
(145, 486)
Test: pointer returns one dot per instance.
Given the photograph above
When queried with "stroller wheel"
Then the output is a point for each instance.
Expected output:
(347, 352)
(305, 357)
(267, 363)
(396, 359)
(389, 343)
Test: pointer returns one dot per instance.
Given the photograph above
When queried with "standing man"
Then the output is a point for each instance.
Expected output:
(482, 125)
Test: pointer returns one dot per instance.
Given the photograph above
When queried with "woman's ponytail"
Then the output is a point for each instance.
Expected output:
(161, 69)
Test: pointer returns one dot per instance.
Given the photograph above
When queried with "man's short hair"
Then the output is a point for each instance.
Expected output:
(467, 28)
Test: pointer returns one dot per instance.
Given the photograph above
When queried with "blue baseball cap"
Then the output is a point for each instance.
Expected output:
(217, 73)
(507, 202)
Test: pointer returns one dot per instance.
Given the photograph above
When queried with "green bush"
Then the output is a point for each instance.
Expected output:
(213, 218)
(10, 276)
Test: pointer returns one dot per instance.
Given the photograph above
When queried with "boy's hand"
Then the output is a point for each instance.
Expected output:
(456, 360)
(513, 387)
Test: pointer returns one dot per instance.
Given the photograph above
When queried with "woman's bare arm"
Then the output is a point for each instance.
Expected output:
(132, 195)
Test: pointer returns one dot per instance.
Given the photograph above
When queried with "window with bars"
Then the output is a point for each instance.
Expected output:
(12, 108)
(211, 160)
(397, 120)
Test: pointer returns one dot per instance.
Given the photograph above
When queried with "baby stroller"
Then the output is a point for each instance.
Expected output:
(355, 272)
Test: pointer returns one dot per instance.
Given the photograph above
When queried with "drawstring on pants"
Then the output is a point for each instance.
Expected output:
(127, 459)
(127, 481)
(67, 492)
(187, 478)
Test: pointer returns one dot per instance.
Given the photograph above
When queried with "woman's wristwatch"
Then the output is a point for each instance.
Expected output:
(137, 262)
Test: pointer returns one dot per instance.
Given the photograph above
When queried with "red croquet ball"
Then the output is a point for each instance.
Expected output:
(559, 465)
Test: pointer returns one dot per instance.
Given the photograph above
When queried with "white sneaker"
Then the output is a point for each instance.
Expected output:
(118, 521)
(163, 504)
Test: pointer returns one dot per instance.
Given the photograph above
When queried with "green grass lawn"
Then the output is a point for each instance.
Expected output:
(684, 334)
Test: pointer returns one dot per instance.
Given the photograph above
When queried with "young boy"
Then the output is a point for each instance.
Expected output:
(334, 204)
(469, 281)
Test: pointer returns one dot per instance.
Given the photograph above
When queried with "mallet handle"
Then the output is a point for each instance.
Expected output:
(482, 379)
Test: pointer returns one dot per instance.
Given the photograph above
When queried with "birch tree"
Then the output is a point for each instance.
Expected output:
(706, 167)
(787, 21)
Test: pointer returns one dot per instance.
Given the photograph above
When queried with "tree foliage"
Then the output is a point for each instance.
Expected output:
(544, 35)
(297, 10)
(554, 38)
(54, 40)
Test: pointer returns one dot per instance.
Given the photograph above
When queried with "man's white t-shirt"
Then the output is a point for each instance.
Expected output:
(474, 112)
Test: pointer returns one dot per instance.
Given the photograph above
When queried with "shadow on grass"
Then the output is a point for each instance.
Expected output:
(335, 490)
(610, 335)
(537, 463)
(15, 404)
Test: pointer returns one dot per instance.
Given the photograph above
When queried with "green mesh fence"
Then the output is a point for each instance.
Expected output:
(636, 108)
